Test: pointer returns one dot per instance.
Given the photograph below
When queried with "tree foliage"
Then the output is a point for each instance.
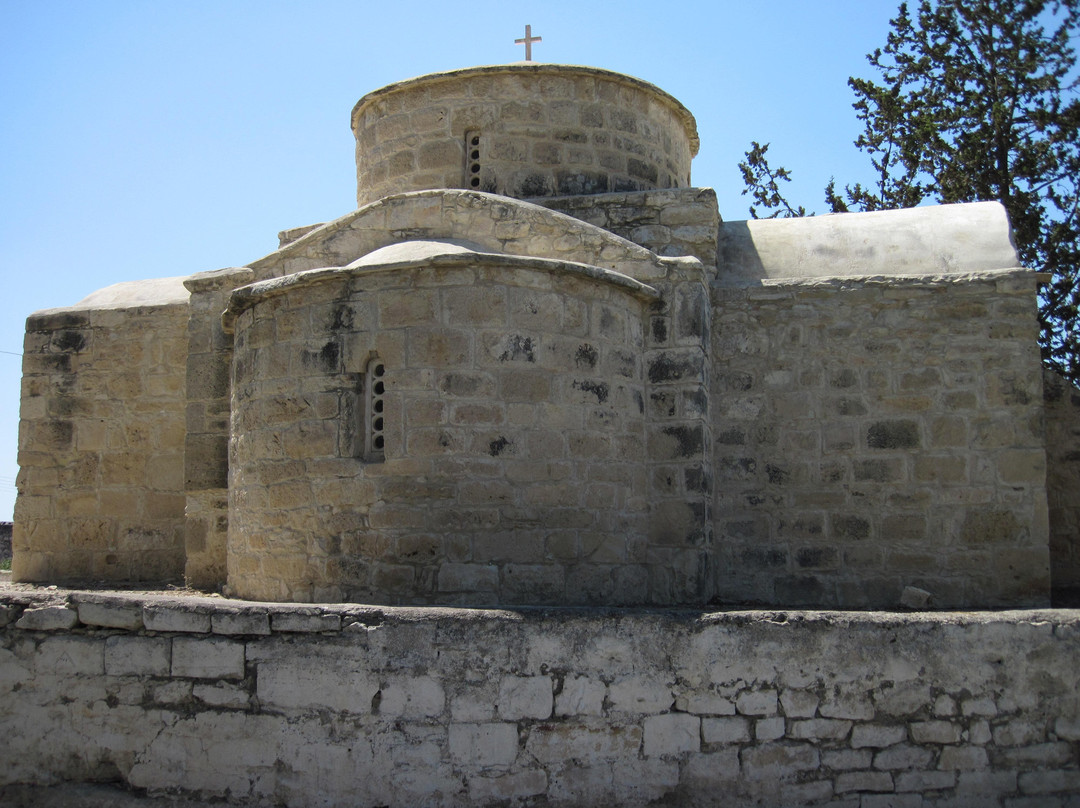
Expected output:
(975, 100)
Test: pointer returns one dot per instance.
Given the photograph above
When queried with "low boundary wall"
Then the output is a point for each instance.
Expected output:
(196, 698)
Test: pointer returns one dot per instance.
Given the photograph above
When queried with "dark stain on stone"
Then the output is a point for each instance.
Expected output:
(668, 368)
(518, 347)
(586, 356)
(659, 330)
(690, 439)
(893, 435)
(72, 341)
(598, 389)
(496, 447)
(342, 318)
(777, 475)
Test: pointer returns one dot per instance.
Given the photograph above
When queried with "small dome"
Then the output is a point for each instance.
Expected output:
(418, 250)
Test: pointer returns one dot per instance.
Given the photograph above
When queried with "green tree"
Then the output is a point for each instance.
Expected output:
(975, 100)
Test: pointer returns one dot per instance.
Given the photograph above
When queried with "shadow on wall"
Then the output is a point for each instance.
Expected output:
(5, 544)
(1062, 484)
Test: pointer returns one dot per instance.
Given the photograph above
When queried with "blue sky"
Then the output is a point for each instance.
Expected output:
(144, 138)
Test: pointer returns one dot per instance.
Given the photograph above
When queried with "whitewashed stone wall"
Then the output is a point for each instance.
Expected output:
(262, 705)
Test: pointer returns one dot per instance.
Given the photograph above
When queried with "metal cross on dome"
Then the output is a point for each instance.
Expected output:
(527, 42)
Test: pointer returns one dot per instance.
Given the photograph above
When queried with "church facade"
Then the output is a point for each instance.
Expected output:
(535, 367)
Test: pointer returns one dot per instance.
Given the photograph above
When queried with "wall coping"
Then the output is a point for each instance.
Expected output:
(50, 609)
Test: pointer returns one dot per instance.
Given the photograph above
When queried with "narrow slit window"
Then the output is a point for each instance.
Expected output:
(376, 400)
(472, 159)
(371, 395)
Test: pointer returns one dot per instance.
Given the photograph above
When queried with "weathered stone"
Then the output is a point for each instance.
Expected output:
(863, 781)
(207, 658)
(483, 744)
(111, 615)
(776, 761)
(242, 622)
(137, 656)
(178, 618)
(48, 618)
(935, 732)
(963, 757)
(671, 734)
(756, 702)
(725, 730)
(877, 735)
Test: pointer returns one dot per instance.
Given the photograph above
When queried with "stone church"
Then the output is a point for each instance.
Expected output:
(534, 366)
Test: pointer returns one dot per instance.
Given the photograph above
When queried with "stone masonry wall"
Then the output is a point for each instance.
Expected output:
(207, 418)
(256, 705)
(101, 445)
(512, 469)
(670, 222)
(1063, 482)
(522, 131)
(872, 434)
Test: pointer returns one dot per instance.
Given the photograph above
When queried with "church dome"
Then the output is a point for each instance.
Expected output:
(523, 130)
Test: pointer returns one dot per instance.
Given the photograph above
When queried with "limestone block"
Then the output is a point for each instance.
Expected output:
(176, 617)
(640, 695)
(48, 618)
(1040, 754)
(819, 729)
(67, 655)
(725, 730)
(863, 781)
(325, 684)
(111, 615)
(903, 699)
(769, 729)
(705, 704)
(304, 623)
(982, 706)
(580, 695)
(778, 761)
(963, 758)
(846, 759)
(671, 734)
(412, 698)
(241, 622)
(978, 733)
(903, 756)
(480, 745)
(137, 656)
(799, 703)
(1018, 733)
(944, 732)
(513, 786)
(222, 694)
(757, 702)
(472, 706)
(207, 658)
(1067, 728)
(1050, 782)
(985, 782)
(554, 743)
(925, 781)
(877, 735)
(525, 697)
